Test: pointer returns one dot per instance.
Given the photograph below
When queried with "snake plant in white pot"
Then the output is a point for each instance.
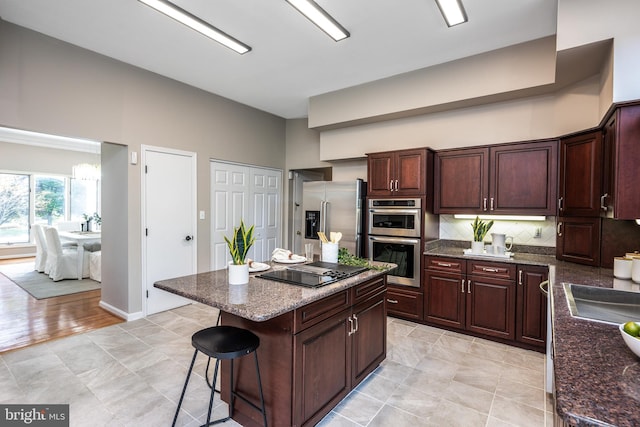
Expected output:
(480, 230)
(239, 245)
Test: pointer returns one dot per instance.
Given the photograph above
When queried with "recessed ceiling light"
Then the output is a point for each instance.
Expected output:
(453, 11)
(322, 19)
(197, 24)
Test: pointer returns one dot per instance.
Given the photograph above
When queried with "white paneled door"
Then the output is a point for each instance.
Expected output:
(169, 223)
(252, 194)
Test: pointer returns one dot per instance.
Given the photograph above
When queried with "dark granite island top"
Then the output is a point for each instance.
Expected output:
(260, 299)
(597, 378)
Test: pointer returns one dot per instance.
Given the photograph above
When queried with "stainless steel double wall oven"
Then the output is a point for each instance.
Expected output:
(394, 227)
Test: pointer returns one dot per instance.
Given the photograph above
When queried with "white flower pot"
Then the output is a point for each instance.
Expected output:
(238, 274)
(477, 247)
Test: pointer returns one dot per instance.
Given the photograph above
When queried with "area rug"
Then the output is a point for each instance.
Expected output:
(40, 286)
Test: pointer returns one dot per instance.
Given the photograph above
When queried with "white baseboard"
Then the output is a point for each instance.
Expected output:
(121, 314)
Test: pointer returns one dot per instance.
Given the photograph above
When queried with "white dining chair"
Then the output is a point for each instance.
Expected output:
(95, 266)
(68, 226)
(41, 248)
(63, 262)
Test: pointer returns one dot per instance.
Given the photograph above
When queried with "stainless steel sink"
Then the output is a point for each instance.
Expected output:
(602, 304)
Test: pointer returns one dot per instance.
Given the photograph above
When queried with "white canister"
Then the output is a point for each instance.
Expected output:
(330, 252)
(635, 269)
(622, 267)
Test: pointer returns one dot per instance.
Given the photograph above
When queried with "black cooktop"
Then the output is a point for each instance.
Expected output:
(313, 275)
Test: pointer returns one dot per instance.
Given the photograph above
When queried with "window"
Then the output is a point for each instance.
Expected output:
(54, 199)
(14, 208)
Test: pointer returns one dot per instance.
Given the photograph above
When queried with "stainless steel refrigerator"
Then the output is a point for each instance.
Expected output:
(335, 206)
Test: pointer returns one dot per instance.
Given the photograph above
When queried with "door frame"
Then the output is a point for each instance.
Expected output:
(143, 211)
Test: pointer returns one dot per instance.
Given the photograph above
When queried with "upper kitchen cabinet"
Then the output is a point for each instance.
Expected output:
(502, 179)
(620, 198)
(399, 173)
(580, 175)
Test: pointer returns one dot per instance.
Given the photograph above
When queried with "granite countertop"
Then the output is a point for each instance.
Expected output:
(597, 378)
(260, 299)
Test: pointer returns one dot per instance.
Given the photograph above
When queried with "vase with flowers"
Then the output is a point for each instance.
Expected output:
(239, 245)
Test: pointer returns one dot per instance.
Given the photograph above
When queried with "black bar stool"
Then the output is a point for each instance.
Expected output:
(224, 342)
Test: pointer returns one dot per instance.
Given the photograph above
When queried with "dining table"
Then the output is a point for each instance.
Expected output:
(80, 238)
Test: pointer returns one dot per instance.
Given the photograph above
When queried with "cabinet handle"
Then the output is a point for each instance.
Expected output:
(544, 287)
(392, 301)
(484, 204)
(443, 264)
(462, 286)
(560, 200)
(491, 203)
(351, 331)
(520, 277)
(602, 201)
(397, 185)
(490, 270)
(356, 319)
(468, 286)
(391, 185)
(559, 229)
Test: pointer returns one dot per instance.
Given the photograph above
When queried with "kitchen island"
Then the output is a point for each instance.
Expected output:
(597, 378)
(316, 345)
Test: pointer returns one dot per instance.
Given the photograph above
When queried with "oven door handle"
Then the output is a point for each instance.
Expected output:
(395, 211)
(394, 240)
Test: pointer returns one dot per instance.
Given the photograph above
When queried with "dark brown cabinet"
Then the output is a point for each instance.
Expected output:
(502, 179)
(337, 350)
(578, 240)
(398, 173)
(620, 196)
(404, 303)
(491, 299)
(531, 306)
(580, 175)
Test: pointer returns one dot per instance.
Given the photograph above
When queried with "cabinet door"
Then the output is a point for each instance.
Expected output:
(580, 175)
(410, 170)
(322, 367)
(531, 306)
(524, 178)
(369, 339)
(578, 240)
(461, 179)
(380, 173)
(444, 299)
(491, 307)
(608, 198)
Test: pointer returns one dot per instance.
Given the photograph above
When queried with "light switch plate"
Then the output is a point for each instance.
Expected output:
(202, 216)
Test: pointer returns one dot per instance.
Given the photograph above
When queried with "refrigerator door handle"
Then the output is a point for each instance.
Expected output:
(323, 216)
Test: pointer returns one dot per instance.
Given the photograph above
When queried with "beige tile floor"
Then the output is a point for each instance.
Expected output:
(131, 374)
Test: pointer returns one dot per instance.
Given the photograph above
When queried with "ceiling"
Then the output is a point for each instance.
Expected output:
(291, 59)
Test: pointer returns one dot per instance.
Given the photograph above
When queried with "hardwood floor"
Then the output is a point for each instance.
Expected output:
(25, 320)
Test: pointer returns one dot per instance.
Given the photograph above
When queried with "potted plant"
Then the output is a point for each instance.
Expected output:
(239, 245)
(480, 230)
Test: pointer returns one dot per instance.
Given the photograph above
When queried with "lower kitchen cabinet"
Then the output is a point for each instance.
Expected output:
(405, 303)
(482, 297)
(335, 355)
(531, 307)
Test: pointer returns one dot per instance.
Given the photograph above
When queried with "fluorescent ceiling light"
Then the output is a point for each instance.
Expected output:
(322, 19)
(453, 11)
(503, 217)
(197, 24)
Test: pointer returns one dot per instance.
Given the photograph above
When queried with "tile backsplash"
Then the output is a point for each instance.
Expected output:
(523, 232)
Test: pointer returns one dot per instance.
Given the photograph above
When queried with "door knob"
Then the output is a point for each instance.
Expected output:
(188, 238)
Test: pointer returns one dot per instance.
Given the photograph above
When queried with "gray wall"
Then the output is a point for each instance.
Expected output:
(53, 87)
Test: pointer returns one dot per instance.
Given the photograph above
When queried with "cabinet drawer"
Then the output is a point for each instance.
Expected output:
(494, 270)
(318, 311)
(451, 265)
(368, 289)
(405, 304)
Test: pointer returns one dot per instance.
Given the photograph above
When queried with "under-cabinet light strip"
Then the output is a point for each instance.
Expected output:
(503, 217)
